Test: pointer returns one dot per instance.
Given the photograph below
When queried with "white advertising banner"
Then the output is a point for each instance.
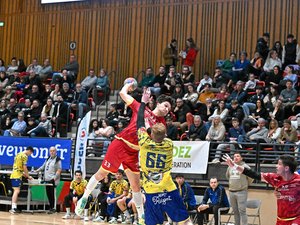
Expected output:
(81, 140)
(190, 157)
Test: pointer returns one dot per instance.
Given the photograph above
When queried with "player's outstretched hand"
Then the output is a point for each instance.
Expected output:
(228, 160)
(146, 95)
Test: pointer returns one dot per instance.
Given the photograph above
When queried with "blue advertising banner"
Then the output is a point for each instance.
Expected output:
(11, 146)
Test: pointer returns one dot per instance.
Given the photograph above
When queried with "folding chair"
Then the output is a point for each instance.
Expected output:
(94, 204)
(193, 213)
(253, 211)
(220, 210)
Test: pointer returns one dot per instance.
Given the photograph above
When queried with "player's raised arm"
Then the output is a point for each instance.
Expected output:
(248, 172)
(145, 99)
(129, 85)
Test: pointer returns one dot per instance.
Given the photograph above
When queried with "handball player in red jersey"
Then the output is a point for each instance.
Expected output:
(287, 186)
(124, 150)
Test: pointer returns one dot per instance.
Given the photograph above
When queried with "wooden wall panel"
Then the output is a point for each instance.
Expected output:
(127, 36)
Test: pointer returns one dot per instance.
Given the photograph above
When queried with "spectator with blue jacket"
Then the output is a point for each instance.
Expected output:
(218, 199)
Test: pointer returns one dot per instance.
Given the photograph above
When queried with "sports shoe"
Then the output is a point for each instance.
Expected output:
(113, 220)
(51, 211)
(80, 206)
(86, 218)
(14, 211)
(67, 216)
(127, 220)
(141, 221)
(215, 161)
(98, 219)
(135, 222)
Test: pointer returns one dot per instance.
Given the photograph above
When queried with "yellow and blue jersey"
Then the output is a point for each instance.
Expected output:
(19, 161)
(155, 159)
(78, 187)
(118, 187)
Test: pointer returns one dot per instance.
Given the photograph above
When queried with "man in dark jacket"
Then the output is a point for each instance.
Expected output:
(218, 199)
(60, 115)
(290, 52)
(80, 101)
(262, 45)
(197, 130)
(186, 192)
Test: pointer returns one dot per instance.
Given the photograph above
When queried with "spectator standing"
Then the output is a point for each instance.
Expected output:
(189, 54)
(262, 45)
(218, 198)
(170, 54)
(290, 52)
(238, 190)
(60, 115)
(19, 170)
(51, 172)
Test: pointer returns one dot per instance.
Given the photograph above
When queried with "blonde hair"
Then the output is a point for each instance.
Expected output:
(158, 132)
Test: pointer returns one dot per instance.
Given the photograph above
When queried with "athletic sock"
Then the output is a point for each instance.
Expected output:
(14, 205)
(68, 210)
(90, 186)
(138, 200)
(126, 213)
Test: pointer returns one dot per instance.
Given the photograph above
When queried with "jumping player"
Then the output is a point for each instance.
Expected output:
(156, 159)
(286, 183)
(124, 150)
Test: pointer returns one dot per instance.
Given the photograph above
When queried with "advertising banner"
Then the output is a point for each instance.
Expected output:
(190, 157)
(11, 146)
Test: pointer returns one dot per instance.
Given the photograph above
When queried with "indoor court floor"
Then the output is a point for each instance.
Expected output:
(268, 214)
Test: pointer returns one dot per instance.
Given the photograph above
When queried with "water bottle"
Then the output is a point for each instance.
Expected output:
(40, 177)
(32, 169)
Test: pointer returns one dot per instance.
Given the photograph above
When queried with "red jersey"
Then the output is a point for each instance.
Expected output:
(129, 134)
(288, 204)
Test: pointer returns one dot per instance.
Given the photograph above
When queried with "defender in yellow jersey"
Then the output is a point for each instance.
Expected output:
(19, 170)
(156, 158)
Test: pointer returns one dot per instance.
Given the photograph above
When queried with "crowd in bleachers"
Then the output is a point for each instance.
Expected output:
(261, 93)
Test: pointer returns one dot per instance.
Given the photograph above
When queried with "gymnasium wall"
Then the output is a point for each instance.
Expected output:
(129, 35)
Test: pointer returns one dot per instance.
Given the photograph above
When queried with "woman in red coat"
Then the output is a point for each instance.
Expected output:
(190, 53)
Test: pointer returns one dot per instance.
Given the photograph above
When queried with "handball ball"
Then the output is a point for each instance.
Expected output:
(129, 81)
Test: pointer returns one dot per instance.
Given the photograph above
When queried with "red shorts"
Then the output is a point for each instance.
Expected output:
(119, 152)
(292, 222)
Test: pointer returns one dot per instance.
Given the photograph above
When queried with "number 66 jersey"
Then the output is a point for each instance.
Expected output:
(156, 161)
